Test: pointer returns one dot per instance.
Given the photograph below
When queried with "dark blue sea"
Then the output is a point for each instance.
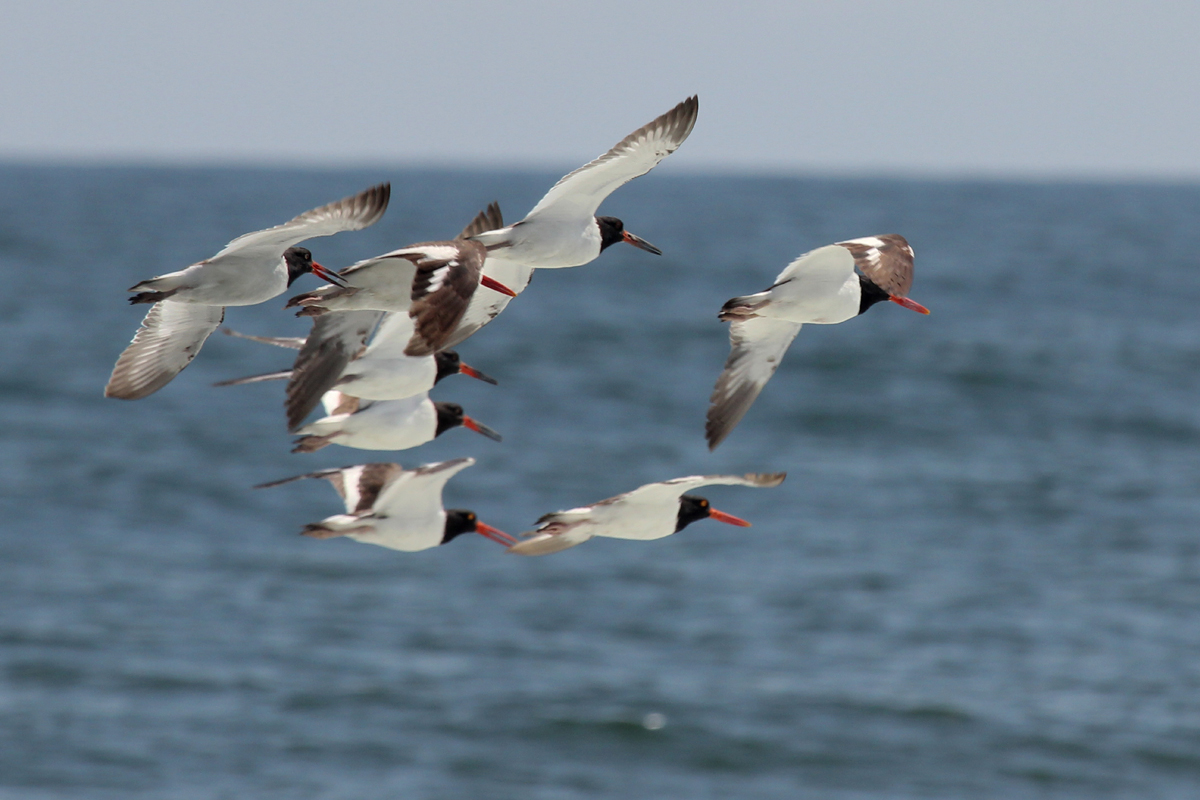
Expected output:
(981, 578)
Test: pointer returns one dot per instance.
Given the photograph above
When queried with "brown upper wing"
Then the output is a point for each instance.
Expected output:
(441, 291)
(335, 340)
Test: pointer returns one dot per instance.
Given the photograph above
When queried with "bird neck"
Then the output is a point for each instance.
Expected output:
(871, 294)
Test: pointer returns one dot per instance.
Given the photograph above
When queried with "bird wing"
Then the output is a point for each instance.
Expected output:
(757, 345)
(169, 338)
(680, 486)
(489, 219)
(418, 492)
(552, 537)
(485, 306)
(441, 291)
(665, 494)
(579, 193)
(391, 336)
(348, 214)
(357, 485)
(826, 265)
(886, 260)
(335, 340)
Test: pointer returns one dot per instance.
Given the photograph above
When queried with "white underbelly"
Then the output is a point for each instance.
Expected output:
(406, 535)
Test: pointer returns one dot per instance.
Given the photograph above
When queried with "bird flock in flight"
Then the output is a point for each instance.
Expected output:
(383, 330)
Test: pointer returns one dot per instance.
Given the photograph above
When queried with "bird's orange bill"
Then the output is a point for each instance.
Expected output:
(496, 535)
(911, 305)
(476, 374)
(328, 275)
(641, 243)
(496, 286)
(729, 519)
(479, 427)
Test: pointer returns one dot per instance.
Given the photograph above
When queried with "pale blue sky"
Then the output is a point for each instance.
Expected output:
(1021, 89)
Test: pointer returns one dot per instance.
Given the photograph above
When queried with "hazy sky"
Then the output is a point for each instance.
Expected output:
(1103, 89)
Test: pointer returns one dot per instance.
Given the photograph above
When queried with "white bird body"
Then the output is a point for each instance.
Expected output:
(375, 424)
(819, 287)
(653, 511)
(190, 304)
(550, 242)
(236, 278)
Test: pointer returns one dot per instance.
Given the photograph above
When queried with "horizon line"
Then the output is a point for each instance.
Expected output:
(782, 172)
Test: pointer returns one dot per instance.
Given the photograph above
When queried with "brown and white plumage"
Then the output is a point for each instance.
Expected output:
(189, 304)
(819, 287)
(432, 281)
(649, 512)
(337, 338)
(397, 508)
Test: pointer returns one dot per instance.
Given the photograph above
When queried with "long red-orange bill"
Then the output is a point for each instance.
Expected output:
(729, 519)
(911, 305)
(496, 286)
(479, 427)
(328, 275)
(495, 534)
(641, 243)
(476, 374)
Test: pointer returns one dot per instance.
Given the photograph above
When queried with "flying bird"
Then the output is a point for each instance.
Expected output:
(652, 511)
(188, 305)
(397, 508)
(563, 230)
(819, 287)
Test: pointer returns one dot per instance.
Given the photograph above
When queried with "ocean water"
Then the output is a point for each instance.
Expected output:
(981, 578)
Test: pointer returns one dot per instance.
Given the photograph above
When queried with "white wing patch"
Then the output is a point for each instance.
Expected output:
(438, 277)
(427, 253)
(350, 479)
